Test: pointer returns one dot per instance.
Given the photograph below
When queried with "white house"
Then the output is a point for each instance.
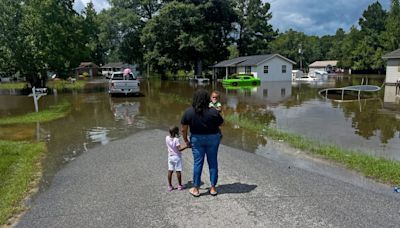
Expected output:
(326, 65)
(272, 67)
(392, 67)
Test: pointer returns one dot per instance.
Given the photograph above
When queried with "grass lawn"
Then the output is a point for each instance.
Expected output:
(12, 85)
(52, 113)
(64, 84)
(19, 168)
(380, 169)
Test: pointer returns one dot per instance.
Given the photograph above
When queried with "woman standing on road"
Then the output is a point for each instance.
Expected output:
(204, 123)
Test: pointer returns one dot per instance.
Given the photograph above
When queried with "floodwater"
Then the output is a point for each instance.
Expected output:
(370, 125)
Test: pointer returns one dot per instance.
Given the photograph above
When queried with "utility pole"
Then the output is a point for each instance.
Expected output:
(301, 57)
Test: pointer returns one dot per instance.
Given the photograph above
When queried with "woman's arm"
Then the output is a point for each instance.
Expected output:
(184, 130)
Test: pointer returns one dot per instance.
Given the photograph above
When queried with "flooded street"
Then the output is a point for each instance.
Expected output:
(369, 125)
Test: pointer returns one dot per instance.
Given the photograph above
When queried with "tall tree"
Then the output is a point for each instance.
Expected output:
(254, 31)
(146, 9)
(184, 42)
(347, 48)
(10, 34)
(391, 37)
(120, 30)
(368, 52)
(52, 38)
(91, 35)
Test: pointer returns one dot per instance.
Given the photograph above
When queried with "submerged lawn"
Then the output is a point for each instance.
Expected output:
(380, 169)
(64, 84)
(12, 85)
(52, 113)
(19, 167)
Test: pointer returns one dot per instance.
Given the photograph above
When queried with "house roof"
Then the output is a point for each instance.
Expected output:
(87, 64)
(323, 63)
(392, 55)
(83, 65)
(252, 60)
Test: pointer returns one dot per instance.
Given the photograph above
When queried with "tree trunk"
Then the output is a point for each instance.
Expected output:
(199, 67)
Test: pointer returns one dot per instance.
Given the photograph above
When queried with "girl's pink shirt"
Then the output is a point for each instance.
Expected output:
(173, 144)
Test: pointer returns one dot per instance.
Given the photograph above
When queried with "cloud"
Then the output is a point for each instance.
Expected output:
(313, 17)
(318, 17)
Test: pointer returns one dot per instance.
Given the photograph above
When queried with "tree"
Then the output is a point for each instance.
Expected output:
(368, 52)
(187, 34)
(176, 24)
(347, 48)
(391, 37)
(146, 9)
(10, 34)
(120, 31)
(95, 52)
(254, 32)
(51, 38)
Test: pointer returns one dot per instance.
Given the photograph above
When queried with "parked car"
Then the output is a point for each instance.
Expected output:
(123, 84)
(199, 79)
(241, 80)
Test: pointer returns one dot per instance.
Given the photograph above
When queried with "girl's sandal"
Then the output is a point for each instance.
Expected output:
(193, 192)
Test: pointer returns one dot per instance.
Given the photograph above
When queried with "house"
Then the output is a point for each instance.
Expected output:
(392, 67)
(272, 67)
(327, 65)
(90, 68)
(110, 68)
(392, 79)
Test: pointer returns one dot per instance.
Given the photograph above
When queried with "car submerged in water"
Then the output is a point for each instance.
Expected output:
(241, 80)
(123, 84)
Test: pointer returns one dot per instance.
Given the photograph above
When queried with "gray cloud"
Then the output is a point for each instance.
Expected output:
(318, 17)
(313, 17)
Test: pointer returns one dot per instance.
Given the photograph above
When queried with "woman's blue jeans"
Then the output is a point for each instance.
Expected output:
(205, 145)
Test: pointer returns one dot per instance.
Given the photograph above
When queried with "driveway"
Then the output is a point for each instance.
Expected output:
(123, 184)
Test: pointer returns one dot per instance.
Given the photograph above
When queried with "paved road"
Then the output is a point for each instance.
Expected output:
(123, 184)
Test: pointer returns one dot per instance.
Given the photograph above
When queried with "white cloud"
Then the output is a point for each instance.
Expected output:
(98, 5)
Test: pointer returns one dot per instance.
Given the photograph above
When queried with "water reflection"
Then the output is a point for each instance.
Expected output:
(98, 134)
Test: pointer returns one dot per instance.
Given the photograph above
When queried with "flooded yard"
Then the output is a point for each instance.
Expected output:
(370, 125)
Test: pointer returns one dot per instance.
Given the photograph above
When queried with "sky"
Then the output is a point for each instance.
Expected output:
(313, 17)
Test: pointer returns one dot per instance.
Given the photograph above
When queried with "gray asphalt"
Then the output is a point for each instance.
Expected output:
(123, 184)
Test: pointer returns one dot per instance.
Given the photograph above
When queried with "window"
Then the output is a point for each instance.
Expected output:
(283, 92)
(265, 93)
(283, 68)
(247, 69)
(265, 69)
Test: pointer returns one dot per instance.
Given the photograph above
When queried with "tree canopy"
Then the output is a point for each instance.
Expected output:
(38, 36)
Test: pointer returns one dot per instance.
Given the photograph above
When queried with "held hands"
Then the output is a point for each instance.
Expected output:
(188, 145)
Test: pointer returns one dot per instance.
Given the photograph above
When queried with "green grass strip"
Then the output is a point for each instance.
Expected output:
(12, 85)
(64, 84)
(19, 167)
(54, 112)
(380, 169)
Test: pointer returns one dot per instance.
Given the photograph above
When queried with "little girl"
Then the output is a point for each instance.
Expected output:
(174, 157)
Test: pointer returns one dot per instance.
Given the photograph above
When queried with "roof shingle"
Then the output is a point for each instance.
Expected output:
(392, 55)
